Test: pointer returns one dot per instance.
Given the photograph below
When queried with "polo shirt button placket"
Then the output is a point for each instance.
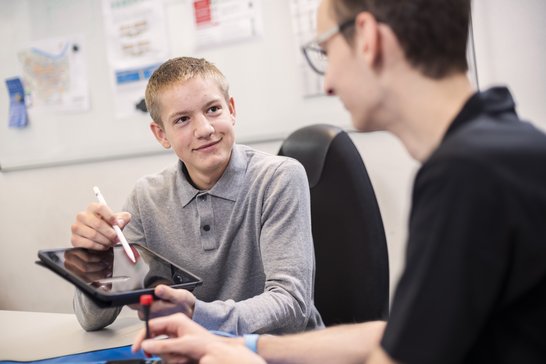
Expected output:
(206, 217)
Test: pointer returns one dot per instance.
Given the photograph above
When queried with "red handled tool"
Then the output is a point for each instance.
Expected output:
(146, 301)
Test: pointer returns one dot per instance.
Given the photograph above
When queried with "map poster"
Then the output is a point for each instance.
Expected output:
(54, 75)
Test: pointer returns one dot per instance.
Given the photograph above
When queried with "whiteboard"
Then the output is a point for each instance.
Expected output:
(264, 76)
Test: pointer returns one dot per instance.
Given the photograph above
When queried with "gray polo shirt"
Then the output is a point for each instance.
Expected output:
(248, 238)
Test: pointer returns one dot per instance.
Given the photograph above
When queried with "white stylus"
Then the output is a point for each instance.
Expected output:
(120, 235)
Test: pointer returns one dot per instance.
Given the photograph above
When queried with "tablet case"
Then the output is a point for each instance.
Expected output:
(164, 272)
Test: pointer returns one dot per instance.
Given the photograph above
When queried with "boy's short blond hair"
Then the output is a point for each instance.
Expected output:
(177, 70)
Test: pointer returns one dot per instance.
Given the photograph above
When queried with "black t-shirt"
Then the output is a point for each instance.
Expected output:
(474, 286)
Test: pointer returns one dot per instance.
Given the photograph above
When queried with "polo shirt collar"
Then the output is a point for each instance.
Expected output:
(494, 101)
(227, 187)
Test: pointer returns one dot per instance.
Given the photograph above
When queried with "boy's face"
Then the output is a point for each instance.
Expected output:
(198, 123)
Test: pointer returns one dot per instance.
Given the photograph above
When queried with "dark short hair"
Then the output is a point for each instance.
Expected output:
(432, 33)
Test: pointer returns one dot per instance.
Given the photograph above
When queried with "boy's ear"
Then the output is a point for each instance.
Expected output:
(159, 134)
(232, 110)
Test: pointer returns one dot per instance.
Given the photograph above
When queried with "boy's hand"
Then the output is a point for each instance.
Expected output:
(93, 227)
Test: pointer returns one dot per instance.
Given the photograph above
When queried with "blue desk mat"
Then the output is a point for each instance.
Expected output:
(96, 357)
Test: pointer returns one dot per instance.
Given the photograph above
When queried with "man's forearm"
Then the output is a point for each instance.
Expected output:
(339, 344)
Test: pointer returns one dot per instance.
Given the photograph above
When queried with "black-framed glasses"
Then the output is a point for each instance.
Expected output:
(313, 51)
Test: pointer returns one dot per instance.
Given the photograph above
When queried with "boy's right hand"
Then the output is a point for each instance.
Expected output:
(93, 227)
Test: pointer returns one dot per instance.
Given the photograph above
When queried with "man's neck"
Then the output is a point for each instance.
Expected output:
(425, 109)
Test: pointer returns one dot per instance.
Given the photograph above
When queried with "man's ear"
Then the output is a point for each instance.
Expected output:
(231, 105)
(367, 38)
(159, 134)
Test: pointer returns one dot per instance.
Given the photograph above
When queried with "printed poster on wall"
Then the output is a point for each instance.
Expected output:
(136, 41)
(304, 24)
(218, 22)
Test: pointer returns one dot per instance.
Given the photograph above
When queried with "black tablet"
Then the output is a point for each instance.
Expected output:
(110, 278)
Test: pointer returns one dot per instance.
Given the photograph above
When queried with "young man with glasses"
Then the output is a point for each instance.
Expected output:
(474, 286)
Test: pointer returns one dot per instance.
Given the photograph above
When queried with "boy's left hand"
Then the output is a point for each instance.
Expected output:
(170, 301)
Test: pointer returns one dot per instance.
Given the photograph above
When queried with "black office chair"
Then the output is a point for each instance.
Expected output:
(352, 266)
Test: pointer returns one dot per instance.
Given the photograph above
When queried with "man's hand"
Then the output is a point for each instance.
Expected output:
(93, 227)
(187, 341)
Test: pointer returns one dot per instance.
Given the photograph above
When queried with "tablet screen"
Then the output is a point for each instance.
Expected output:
(111, 272)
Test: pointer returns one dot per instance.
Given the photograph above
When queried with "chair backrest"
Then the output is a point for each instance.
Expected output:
(352, 266)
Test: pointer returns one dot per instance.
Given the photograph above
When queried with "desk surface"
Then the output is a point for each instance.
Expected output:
(29, 336)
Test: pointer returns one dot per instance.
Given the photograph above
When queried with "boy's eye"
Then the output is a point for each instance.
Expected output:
(182, 119)
(214, 109)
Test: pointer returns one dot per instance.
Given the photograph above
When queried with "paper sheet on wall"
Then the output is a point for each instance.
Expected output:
(226, 21)
(136, 41)
(304, 25)
(54, 74)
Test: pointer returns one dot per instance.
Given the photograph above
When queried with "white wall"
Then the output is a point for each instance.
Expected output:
(38, 206)
(57, 137)
(510, 41)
